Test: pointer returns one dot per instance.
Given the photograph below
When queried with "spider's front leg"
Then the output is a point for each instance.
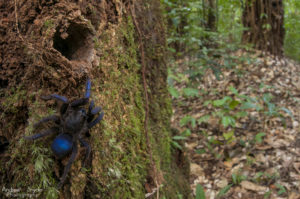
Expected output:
(85, 99)
(55, 96)
(42, 134)
(91, 114)
(54, 118)
(98, 119)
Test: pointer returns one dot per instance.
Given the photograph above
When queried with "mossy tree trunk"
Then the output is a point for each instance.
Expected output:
(264, 22)
(52, 47)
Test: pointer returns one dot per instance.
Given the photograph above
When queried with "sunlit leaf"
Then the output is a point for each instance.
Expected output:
(258, 137)
(287, 111)
(200, 194)
(176, 145)
(224, 190)
(191, 92)
(228, 121)
(221, 102)
(229, 136)
(233, 104)
(188, 119)
(174, 92)
(200, 151)
(204, 118)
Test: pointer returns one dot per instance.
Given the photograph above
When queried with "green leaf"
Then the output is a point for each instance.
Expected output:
(224, 190)
(248, 105)
(203, 119)
(186, 133)
(221, 102)
(233, 104)
(229, 136)
(287, 111)
(242, 143)
(191, 92)
(200, 194)
(178, 137)
(187, 119)
(267, 97)
(258, 137)
(174, 92)
(241, 114)
(207, 102)
(281, 189)
(267, 194)
(228, 120)
(200, 151)
(176, 145)
(233, 90)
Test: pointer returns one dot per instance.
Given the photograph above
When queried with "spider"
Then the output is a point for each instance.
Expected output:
(72, 123)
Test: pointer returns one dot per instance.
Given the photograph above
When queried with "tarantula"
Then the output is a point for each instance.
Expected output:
(72, 123)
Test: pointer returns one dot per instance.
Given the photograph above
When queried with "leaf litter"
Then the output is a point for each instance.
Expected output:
(256, 155)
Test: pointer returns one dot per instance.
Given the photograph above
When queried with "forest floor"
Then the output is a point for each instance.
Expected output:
(245, 132)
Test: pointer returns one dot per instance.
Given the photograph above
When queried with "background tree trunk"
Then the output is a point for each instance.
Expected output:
(52, 47)
(264, 20)
(211, 24)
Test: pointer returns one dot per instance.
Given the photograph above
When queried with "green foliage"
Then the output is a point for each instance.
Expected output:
(292, 28)
(200, 194)
(281, 189)
(259, 137)
(237, 178)
(224, 190)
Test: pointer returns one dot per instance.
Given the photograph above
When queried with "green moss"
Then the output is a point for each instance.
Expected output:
(13, 99)
(120, 168)
(34, 168)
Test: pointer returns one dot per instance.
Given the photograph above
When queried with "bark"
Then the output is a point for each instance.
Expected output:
(211, 24)
(264, 23)
(52, 47)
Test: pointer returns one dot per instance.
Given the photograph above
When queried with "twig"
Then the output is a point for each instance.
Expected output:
(17, 21)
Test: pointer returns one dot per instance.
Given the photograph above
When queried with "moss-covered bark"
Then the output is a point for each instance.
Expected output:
(56, 46)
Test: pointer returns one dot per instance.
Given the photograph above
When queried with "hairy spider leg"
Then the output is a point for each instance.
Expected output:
(98, 119)
(55, 96)
(88, 150)
(54, 118)
(80, 102)
(42, 134)
(88, 88)
(92, 104)
(68, 166)
(85, 99)
(92, 113)
(96, 110)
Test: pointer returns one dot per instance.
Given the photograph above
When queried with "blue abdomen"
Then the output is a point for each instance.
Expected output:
(62, 145)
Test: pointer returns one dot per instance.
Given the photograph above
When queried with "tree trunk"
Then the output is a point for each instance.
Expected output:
(264, 22)
(52, 47)
(211, 24)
